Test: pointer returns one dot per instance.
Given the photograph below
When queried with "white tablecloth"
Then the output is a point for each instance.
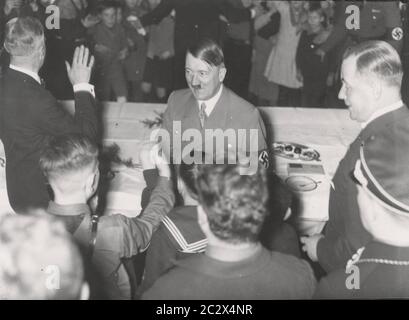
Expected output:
(329, 131)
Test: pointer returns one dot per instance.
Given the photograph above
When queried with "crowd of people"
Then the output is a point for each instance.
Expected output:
(284, 53)
(216, 222)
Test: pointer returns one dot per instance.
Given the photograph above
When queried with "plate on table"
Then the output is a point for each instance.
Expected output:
(295, 151)
(301, 183)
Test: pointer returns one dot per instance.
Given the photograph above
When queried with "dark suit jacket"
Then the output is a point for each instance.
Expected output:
(230, 112)
(344, 233)
(29, 117)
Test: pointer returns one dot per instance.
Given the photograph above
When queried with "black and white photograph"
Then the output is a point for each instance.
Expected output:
(218, 151)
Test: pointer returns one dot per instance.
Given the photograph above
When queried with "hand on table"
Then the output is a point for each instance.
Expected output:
(80, 70)
(310, 245)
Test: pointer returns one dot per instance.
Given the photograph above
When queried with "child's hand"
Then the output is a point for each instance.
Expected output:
(100, 48)
(123, 54)
(165, 55)
(90, 21)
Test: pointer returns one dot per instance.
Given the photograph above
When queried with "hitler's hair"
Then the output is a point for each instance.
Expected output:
(23, 36)
(235, 204)
(207, 50)
(377, 59)
(68, 153)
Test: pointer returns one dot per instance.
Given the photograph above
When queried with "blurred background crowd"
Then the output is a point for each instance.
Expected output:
(277, 53)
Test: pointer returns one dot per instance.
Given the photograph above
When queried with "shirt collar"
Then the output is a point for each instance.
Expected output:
(27, 72)
(382, 111)
(211, 103)
(68, 210)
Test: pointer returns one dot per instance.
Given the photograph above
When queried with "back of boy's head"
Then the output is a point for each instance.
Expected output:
(235, 203)
(67, 159)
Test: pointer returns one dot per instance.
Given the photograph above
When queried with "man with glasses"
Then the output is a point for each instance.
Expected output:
(371, 77)
(380, 269)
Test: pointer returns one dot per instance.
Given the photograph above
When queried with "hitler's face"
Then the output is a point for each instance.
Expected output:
(356, 91)
(108, 17)
(202, 78)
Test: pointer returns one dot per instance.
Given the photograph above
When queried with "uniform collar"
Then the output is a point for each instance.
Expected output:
(211, 103)
(381, 112)
(27, 72)
(68, 210)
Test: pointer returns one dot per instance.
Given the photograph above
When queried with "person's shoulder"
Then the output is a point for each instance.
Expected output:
(290, 262)
(239, 104)
(178, 99)
(166, 287)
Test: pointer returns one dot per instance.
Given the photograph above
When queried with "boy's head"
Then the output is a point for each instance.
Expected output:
(382, 176)
(107, 11)
(70, 163)
(316, 17)
(232, 206)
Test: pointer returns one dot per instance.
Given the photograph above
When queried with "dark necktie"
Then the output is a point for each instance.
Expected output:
(202, 114)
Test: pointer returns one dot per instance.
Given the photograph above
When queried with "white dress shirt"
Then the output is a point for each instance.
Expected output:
(77, 87)
(211, 103)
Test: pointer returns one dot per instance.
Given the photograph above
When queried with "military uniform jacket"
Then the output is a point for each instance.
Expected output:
(344, 233)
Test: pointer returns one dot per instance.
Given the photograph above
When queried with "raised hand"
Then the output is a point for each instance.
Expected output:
(80, 70)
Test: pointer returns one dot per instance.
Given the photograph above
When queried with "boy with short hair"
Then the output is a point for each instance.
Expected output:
(71, 165)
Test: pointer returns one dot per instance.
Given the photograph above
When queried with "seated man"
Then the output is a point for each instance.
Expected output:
(231, 212)
(381, 268)
(70, 163)
(39, 261)
(179, 235)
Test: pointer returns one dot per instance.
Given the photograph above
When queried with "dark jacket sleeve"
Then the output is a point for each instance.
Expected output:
(272, 27)
(138, 231)
(164, 8)
(333, 251)
(232, 13)
(54, 120)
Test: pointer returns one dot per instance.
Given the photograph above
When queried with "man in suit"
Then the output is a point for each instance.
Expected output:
(30, 115)
(194, 20)
(371, 75)
(203, 116)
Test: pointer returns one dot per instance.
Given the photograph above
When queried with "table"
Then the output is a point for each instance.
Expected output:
(330, 131)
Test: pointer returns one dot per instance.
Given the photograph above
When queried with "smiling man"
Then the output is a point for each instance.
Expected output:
(208, 116)
(371, 76)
